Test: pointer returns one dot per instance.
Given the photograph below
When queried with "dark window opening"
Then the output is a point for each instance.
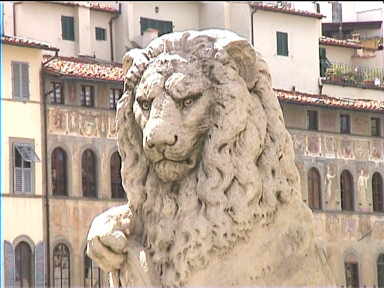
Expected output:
(375, 126)
(68, 28)
(61, 266)
(380, 271)
(312, 120)
(87, 96)
(116, 182)
(347, 198)
(282, 43)
(93, 275)
(345, 124)
(314, 189)
(377, 192)
(23, 265)
(100, 33)
(351, 274)
(88, 169)
(59, 172)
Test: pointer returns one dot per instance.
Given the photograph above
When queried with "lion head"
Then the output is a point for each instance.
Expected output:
(205, 153)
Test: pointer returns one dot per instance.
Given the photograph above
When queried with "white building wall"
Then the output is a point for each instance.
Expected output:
(101, 49)
(301, 67)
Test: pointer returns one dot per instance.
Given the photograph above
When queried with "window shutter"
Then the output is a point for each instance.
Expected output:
(64, 31)
(71, 28)
(18, 180)
(25, 79)
(282, 43)
(16, 80)
(9, 265)
(27, 180)
(40, 265)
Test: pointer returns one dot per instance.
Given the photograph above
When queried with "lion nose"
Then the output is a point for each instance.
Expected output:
(161, 141)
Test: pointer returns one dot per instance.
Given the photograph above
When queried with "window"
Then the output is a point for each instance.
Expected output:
(282, 43)
(114, 96)
(100, 33)
(314, 189)
(88, 170)
(24, 156)
(375, 126)
(23, 265)
(87, 96)
(351, 272)
(346, 183)
(61, 266)
(163, 27)
(377, 192)
(345, 125)
(59, 172)
(93, 275)
(312, 120)
(116, 183)
(57, 96)
(380, 271)
(67, 28)
(20, 80)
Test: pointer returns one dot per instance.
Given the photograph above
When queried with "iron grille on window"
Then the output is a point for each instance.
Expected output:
(20, 80)
(57, 96)
(87, 96)
(61, 266)
(114, 96)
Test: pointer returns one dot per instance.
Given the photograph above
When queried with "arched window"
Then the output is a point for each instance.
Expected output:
(93, 275)
(380, 271)
(88, 171)
(61, 266)
(351, 266)
(24, 265)
(314, 189)
(59, 172)
(377, 192)
(346, 188)
(116, 184)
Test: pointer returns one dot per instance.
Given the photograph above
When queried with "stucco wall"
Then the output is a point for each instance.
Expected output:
(101, 48)
(340, 55)
(352, 92)
(301, 67)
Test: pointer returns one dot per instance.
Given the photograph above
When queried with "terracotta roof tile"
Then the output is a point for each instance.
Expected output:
(328, 101)
(286, 10)
(336, 42)
(84, 69)
(25, 42)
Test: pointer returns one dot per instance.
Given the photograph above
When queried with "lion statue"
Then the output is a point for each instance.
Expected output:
(208, 167)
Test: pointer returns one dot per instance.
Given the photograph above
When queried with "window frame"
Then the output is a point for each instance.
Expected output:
(375, 204)
(112, 97)
(381, 263)
(32, 262)
(342, 190)
(348, 118)
(53, 96)
(116, 193)
(65, 176)
(316, 114)
(93, 266)
(61, 266)
(312, 175)
(12, 165)
(23, 95)
(89, 194)
(71, 28)
(378, 127)
(282, 45)
(83, 97)
(103, 34)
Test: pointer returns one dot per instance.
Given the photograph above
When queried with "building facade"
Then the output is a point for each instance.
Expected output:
(330, 91)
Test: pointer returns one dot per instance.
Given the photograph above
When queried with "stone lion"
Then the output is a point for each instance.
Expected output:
(208, 167)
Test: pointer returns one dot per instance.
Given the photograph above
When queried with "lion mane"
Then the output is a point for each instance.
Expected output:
(246, 169)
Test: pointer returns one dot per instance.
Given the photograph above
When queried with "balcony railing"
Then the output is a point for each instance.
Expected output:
(352, 75)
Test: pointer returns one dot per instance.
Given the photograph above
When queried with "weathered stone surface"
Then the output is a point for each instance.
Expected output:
(208, 167)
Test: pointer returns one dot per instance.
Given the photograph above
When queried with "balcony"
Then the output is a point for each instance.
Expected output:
(352, 75)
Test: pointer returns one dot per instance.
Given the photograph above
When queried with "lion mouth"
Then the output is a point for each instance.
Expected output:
(172, 170)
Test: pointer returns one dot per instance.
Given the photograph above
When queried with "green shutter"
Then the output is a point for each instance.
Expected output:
(15, 80)
(282, 43)
(25, 79)
(67, 28)
(163, 27)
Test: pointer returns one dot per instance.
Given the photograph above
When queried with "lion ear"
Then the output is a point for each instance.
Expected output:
(134, 56)
(240, 50)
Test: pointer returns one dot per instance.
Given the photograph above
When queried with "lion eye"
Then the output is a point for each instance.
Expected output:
(145, 105)
(187, 102)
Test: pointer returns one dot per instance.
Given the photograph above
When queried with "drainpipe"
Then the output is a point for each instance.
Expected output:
(46, 196)
(110, 30)
(252, 13)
